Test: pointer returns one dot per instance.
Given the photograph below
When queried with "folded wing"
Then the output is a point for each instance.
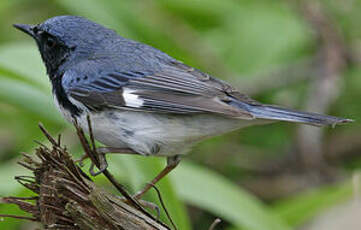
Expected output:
(177, 89)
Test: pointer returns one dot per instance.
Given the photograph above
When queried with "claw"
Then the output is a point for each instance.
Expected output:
(81, 160)
(102, 168)
(103, 164)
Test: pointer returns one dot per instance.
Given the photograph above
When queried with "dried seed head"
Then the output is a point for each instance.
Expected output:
(66, 198)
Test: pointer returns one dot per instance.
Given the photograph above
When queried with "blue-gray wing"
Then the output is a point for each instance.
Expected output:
(176, 88)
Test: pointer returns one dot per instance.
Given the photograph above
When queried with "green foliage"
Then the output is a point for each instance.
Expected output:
(296, 210)
(225, 38)
(208, 190)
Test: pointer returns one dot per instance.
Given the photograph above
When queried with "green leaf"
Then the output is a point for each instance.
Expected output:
(22, 61)
(28, 98)
(208, 190)
(260, 35)
(300, 208)
(7, 173)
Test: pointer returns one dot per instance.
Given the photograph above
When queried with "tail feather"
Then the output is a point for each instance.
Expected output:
(270, 112)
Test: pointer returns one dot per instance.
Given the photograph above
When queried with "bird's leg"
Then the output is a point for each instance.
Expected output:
(172, 162)
(101, 152)
(82, 158)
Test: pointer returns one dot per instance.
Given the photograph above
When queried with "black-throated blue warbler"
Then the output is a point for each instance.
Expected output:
(139, 99)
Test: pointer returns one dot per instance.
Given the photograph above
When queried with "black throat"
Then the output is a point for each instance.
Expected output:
(62, 98)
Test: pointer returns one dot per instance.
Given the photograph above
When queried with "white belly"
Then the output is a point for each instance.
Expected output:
(154, 133)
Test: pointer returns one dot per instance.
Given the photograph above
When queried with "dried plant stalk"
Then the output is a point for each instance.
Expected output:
(66, 198)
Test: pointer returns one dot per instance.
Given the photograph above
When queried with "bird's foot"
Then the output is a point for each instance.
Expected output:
(80, 161)
(100, 153)
(172, 162)
(103, 165)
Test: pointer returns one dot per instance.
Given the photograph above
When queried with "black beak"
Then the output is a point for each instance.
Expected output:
(29, 29)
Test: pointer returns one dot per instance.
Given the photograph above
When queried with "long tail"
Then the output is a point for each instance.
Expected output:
(271, 112)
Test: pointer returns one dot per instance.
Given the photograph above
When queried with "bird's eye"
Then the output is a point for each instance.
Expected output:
(35, 29)
(50, 42)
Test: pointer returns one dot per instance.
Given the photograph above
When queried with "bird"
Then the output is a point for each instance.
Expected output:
(141, 100)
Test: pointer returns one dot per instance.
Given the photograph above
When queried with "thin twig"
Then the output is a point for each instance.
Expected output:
(91, 134)
(93, 157)
(26, 165)
(29, 179)
(163, 206)
(47, 135)
(19, 217)
(19, 198)
(39, 143)
(215, 223)
(59, 139)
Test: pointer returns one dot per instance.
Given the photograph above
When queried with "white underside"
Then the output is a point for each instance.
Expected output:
(154, 133)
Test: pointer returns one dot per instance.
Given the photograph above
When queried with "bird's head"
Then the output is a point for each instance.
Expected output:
(66, 39)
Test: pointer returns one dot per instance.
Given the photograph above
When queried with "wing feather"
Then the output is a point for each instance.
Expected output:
(177, 89)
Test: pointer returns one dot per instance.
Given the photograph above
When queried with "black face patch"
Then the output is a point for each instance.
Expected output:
(62, 98)
(53, 51)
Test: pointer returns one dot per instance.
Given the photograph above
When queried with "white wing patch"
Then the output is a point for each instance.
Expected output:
(131, 99)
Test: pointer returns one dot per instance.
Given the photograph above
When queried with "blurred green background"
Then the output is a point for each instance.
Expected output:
(301, 54)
